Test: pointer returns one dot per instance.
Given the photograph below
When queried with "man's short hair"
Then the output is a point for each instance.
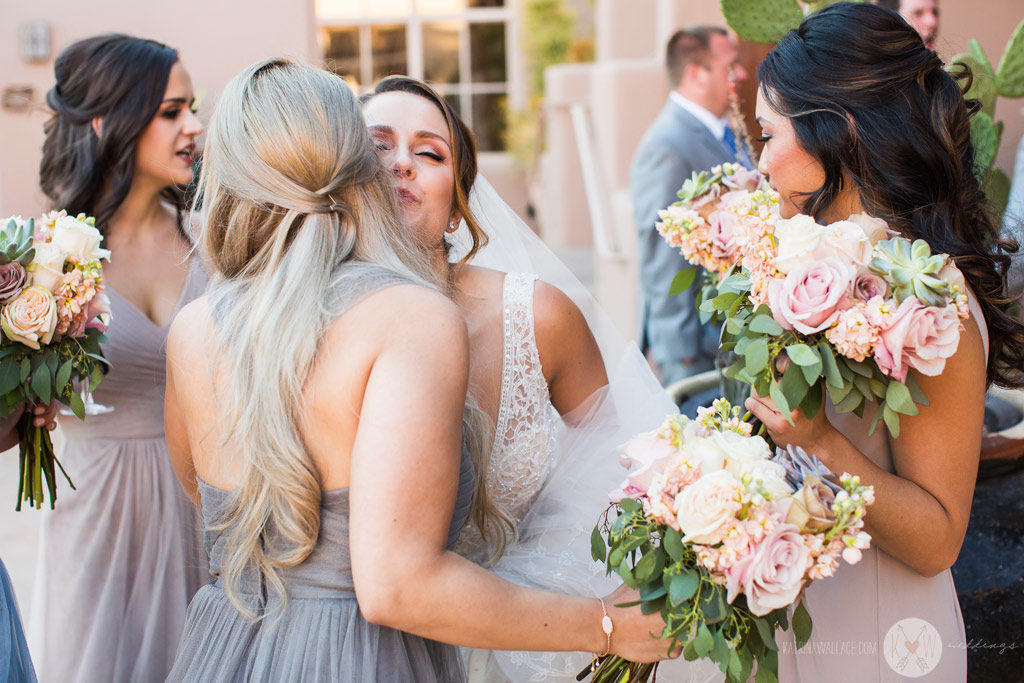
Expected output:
(689, 46)
(894, 5)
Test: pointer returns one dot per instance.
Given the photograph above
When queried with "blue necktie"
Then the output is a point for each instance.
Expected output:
(729, 140)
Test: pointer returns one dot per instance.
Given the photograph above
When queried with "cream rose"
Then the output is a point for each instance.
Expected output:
(811, 510)
(798, 237)
(704, 452)
(706, 509)
(78, 240)
(875, 229)
(47, 267)
(31, 318)
(846, 241)
(741, 452)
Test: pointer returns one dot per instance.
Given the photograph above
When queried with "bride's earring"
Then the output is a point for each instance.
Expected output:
(451, 227)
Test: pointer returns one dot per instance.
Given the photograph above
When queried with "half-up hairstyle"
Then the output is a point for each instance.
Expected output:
(463, 150)
(291, 188)
(870, 102)
(122, 80)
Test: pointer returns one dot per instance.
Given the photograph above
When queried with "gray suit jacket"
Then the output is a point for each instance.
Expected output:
(673, 147)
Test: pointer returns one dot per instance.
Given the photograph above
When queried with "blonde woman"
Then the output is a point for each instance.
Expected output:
(314, 407)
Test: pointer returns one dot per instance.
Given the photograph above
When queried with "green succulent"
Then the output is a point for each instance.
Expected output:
(698, 185)
(16, 242)
(912, 270)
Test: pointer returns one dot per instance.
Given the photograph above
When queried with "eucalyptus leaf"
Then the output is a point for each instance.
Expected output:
(794, 386)
(597, 546)
(775, 392)
(757, 356)
(801, 625)
(672, 542)
(802, 354)
(682, 281)
(704, 641)
(765, 324)
(42, 383)
(892, 421)
(812, 401)
(682, 587)
(9, 376)
(898, 396)
(649, 565)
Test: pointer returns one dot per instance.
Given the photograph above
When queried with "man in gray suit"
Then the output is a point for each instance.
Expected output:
(690, 134)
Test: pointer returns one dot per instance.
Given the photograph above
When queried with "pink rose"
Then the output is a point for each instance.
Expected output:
(12, 278)
(917, 336)
(743, 179)
(706, 509)
(867, 285)
(31, 318)
(812, 295)
(723, 234)
(645, 455)
(771, 576)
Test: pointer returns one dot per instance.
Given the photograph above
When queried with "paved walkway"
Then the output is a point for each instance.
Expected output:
(19, 530)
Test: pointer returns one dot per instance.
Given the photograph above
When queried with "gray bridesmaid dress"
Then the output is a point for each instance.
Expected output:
(121, 556)
(321, 634)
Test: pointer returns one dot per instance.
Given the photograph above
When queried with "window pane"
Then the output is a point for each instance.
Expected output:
(489, 121)
(486, 3)
(440, 6)
(441, 52)
(341, 54)
(487, 52)
(456, 102)
(388, 47)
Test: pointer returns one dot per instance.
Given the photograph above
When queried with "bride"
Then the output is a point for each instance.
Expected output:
(560, 385)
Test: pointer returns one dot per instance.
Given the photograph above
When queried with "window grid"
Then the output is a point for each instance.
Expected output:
(465, 90)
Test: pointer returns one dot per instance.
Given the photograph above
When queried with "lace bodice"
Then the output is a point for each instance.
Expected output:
(527, 425)
(524, 434)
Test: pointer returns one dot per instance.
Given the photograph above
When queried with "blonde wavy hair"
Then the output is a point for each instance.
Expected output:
(291, 188)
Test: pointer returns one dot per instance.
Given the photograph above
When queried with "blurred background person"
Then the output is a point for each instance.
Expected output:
(691, 133)
(120, 556)
(923, 15)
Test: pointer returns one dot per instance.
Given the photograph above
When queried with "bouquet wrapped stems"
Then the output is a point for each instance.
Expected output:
(36, 461)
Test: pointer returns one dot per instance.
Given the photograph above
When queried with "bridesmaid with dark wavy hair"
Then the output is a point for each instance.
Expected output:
(858, 115)
(121, 556)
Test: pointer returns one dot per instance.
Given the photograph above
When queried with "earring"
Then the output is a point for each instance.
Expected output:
(451, 227)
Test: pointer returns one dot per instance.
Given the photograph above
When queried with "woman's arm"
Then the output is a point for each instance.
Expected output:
(569, 355)
(404, 474)
(921, 511)
(174, 424)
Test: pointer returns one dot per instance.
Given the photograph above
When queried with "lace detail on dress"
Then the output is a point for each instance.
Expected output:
(527, 426)
(524, 434)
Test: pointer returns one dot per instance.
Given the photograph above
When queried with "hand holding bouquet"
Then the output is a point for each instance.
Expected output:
(722, 538)
(53, 314)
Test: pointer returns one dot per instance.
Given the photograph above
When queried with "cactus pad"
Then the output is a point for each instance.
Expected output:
(1010, 76)
(762, 21)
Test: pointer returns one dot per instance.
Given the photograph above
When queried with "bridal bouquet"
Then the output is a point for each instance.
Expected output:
(53, 314)
(722, 538)
(848, 302)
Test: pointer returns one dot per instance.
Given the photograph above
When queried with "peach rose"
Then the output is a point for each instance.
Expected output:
(707, 508)
(31, 318)
(723, 234)
(772, 576)
(812, 295)
(917, 336)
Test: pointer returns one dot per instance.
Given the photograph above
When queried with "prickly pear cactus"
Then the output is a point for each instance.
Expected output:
(983, 84)
(1010, 76)
(985, 136)
(16, 242)
(762, 21)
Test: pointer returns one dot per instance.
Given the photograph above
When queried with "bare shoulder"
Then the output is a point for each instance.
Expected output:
(554, 313)
(188, 327)
(480, 282)
(401, 315)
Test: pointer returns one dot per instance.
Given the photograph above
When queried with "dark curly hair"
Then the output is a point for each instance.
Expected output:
(870, 102)
(121, 79)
